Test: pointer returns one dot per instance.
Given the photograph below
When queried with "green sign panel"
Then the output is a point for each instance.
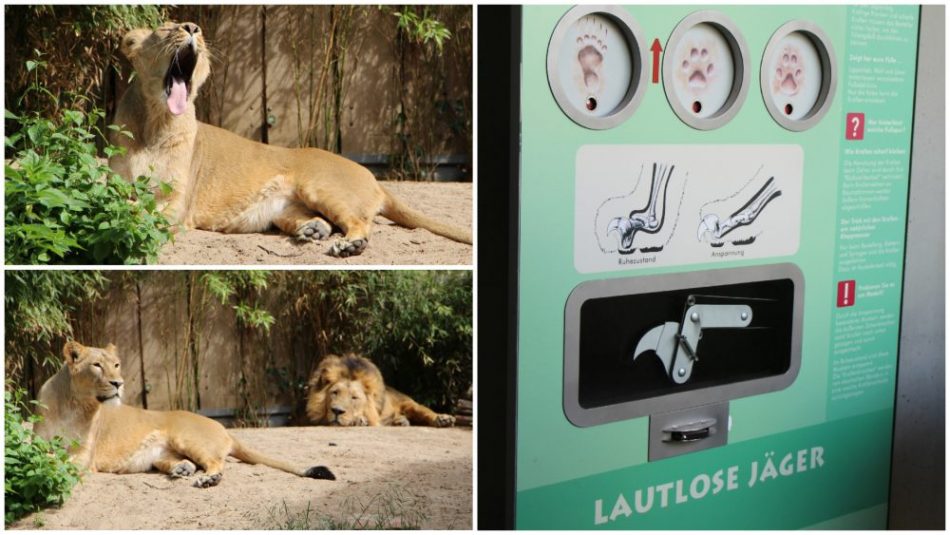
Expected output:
(673, 146)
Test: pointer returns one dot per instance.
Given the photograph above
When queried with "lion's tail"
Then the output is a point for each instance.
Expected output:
(401, 214)
(243, 453)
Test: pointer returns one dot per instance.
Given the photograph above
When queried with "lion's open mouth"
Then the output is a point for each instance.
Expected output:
(178, 79)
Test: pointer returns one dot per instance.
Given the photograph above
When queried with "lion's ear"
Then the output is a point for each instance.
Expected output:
(132, 42)
(72, 351)
(112, 350)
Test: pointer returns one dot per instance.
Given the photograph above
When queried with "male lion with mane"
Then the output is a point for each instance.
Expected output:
(226, 183)
(349, 391)
(82, 403)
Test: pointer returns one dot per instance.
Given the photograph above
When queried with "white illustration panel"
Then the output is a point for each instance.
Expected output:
(666, 205)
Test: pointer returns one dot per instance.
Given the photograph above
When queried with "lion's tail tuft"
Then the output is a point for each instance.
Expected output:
(250, 456)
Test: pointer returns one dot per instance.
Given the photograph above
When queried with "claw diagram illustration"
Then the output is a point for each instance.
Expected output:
(714, 228)
(647, 219)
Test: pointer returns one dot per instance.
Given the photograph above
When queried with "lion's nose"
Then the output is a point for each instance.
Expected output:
(337, 411)
(116, 384)
(191, 28)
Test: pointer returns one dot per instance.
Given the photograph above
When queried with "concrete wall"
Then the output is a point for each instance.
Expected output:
(918, 486)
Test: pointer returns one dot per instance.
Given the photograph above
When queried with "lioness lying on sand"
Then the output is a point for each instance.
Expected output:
(82, 402)
(226, 183)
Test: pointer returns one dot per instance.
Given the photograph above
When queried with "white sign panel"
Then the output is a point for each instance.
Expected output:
(667, 205)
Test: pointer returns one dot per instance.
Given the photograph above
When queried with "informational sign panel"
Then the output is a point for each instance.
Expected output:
(710, 145)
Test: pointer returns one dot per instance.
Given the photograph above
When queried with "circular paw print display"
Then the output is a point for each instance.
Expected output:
(598, 64)
(799, 75)
(796, 76)
(594, 66)
(704, 70)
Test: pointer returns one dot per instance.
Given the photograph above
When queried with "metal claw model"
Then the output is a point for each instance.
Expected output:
(743, 216)
(677, 344)
(644, 220)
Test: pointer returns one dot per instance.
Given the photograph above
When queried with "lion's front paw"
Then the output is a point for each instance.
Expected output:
(206, 481)
(183, 469)
(343, 247)
(315, 229)
(444, 420)
(401, 420)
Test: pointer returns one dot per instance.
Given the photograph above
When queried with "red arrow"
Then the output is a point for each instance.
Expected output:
(656, 48)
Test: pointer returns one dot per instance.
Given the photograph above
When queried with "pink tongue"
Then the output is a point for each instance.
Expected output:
(177, 97)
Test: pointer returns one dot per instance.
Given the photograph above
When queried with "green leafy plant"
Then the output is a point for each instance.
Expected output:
(422, 28)
(64, 204)
(244, 285)
(38, 471)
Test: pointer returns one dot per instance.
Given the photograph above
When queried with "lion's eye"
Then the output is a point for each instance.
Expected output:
(355, 398)
(97, 365)
(116, 364)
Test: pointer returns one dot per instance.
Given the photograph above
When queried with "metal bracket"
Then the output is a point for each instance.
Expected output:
(689, 430)
(677, 345)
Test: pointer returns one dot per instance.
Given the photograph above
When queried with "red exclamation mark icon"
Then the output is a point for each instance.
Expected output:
(846, 293)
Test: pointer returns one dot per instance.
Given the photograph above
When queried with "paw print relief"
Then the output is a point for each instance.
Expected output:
(798, 76)
(705, 72)
(594, 66)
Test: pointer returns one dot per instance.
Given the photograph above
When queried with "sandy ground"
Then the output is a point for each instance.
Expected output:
(393, 476)
(388, 244)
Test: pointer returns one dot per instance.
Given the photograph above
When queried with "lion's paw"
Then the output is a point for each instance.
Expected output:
(401, 420)
(444, 420)
(315, 229)
(183, 469)
(343, 247)
(206, 481)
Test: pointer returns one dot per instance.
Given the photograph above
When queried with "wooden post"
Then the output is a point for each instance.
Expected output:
(264, 125)
(138, 310)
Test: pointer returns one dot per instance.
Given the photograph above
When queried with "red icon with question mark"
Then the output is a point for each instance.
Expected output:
(854, 127)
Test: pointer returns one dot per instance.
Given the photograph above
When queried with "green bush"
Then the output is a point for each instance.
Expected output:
(38, 471)
(419, 331)
(65, 205)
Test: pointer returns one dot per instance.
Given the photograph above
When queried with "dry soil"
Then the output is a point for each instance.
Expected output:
(390, 477)
(389, 244)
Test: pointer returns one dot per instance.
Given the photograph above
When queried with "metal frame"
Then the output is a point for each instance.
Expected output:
(634, 37)
(740, 58)
(584, 417)
(829, 74)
